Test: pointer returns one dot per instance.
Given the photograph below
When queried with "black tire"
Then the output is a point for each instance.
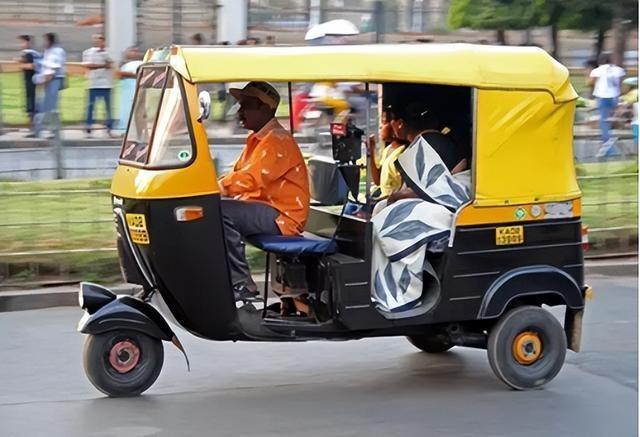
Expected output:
(435, 343)
(106, 378)
(501, 348)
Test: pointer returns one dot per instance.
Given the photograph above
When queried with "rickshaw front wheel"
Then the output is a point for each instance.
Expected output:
(122, 363)
(527, 347)
(435, 343)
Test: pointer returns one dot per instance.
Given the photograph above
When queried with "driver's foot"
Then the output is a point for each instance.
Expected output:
(242, 293)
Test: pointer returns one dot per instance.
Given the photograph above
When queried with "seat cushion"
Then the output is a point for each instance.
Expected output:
(293, 245)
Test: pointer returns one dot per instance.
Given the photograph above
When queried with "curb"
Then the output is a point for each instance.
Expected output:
(22, 300)
(626, 266)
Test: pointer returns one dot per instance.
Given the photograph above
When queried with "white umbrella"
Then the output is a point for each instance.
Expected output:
(332, 28)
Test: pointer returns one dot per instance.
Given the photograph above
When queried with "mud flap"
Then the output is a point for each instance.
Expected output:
(573, 328)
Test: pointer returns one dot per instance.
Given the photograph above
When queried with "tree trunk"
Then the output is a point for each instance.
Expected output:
(555, 45)
(619, 39)
(501, 37)
(599, 45)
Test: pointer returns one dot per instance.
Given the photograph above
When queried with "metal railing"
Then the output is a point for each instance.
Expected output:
(56, 226)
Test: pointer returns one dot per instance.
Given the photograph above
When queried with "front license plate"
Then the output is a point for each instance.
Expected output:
(509, 235)
(137, 225)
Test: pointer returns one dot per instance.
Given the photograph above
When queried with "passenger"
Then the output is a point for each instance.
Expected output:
(415, 122)
(384, 173)
(418, 218)
(268, 188)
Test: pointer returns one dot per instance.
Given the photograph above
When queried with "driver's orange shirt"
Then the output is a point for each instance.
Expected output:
(271, 170)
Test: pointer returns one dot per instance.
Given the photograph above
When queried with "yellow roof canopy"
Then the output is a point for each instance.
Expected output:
(480, 66)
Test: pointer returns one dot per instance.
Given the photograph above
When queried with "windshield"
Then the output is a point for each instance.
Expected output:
(158, 134)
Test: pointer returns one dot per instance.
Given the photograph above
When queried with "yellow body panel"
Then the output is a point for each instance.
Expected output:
(197, 179)
(481, 66)
(524, 149)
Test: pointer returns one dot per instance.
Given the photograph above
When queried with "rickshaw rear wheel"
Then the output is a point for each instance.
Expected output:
(435, 343)
(527, 347)
(122, 363)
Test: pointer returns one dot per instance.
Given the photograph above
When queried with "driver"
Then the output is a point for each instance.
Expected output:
(267, 191)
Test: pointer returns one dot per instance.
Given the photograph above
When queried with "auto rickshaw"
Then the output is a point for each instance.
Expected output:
(516, 246)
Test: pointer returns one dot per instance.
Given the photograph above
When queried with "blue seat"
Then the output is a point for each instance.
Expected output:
(293, 245)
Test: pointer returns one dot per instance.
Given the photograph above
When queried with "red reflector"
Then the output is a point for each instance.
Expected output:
(585, 238)
(189, 213)
(338, 129)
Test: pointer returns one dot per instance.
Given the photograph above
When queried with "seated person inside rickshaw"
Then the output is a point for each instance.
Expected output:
(409, 123)
(418, 217)
(267, 191)
(384, 173)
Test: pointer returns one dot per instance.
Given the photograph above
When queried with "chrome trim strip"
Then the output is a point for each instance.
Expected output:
(473, 275)
(465, 298)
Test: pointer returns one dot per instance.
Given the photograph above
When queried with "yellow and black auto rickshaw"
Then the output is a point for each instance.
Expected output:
(516, 246)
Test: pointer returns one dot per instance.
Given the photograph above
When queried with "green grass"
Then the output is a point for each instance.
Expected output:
(72, 105)
(615, 189)
(49, 223)
(65, 207)
(73, 101)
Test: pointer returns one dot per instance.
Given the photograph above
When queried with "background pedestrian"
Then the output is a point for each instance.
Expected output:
(51, 76)
(98, 63)
(28, 62)
(128, 72)
(605, 80)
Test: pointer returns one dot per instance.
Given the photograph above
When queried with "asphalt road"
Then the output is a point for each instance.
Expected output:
(363, 388)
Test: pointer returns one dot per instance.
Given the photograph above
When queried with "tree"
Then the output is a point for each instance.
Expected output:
(588, 15)
(600, 16)
(498, 15)
(625, 16)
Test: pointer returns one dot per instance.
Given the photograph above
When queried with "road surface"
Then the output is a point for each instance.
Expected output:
(364, 388)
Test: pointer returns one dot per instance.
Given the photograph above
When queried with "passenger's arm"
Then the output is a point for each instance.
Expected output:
(405, 193)
(375, 170)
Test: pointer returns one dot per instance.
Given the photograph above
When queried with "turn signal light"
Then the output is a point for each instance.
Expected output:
(189, 213)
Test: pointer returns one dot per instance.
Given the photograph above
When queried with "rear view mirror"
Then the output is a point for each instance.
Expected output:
(204, 99)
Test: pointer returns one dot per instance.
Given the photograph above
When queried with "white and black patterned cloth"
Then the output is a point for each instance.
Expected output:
(405, 230)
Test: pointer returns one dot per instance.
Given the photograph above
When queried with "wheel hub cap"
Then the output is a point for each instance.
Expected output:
(124, 356)
(527, 348)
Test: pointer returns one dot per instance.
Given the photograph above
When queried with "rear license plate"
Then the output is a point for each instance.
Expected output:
(509, 235)
(137, 225)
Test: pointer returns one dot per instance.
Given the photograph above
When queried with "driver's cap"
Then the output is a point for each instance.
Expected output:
(262, 91)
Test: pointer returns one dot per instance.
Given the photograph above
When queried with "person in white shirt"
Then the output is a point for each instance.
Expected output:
(51, 76)
(128, 73)
(98, 63)
(605, 80)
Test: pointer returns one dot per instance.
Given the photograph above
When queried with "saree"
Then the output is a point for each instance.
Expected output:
(404, 231)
